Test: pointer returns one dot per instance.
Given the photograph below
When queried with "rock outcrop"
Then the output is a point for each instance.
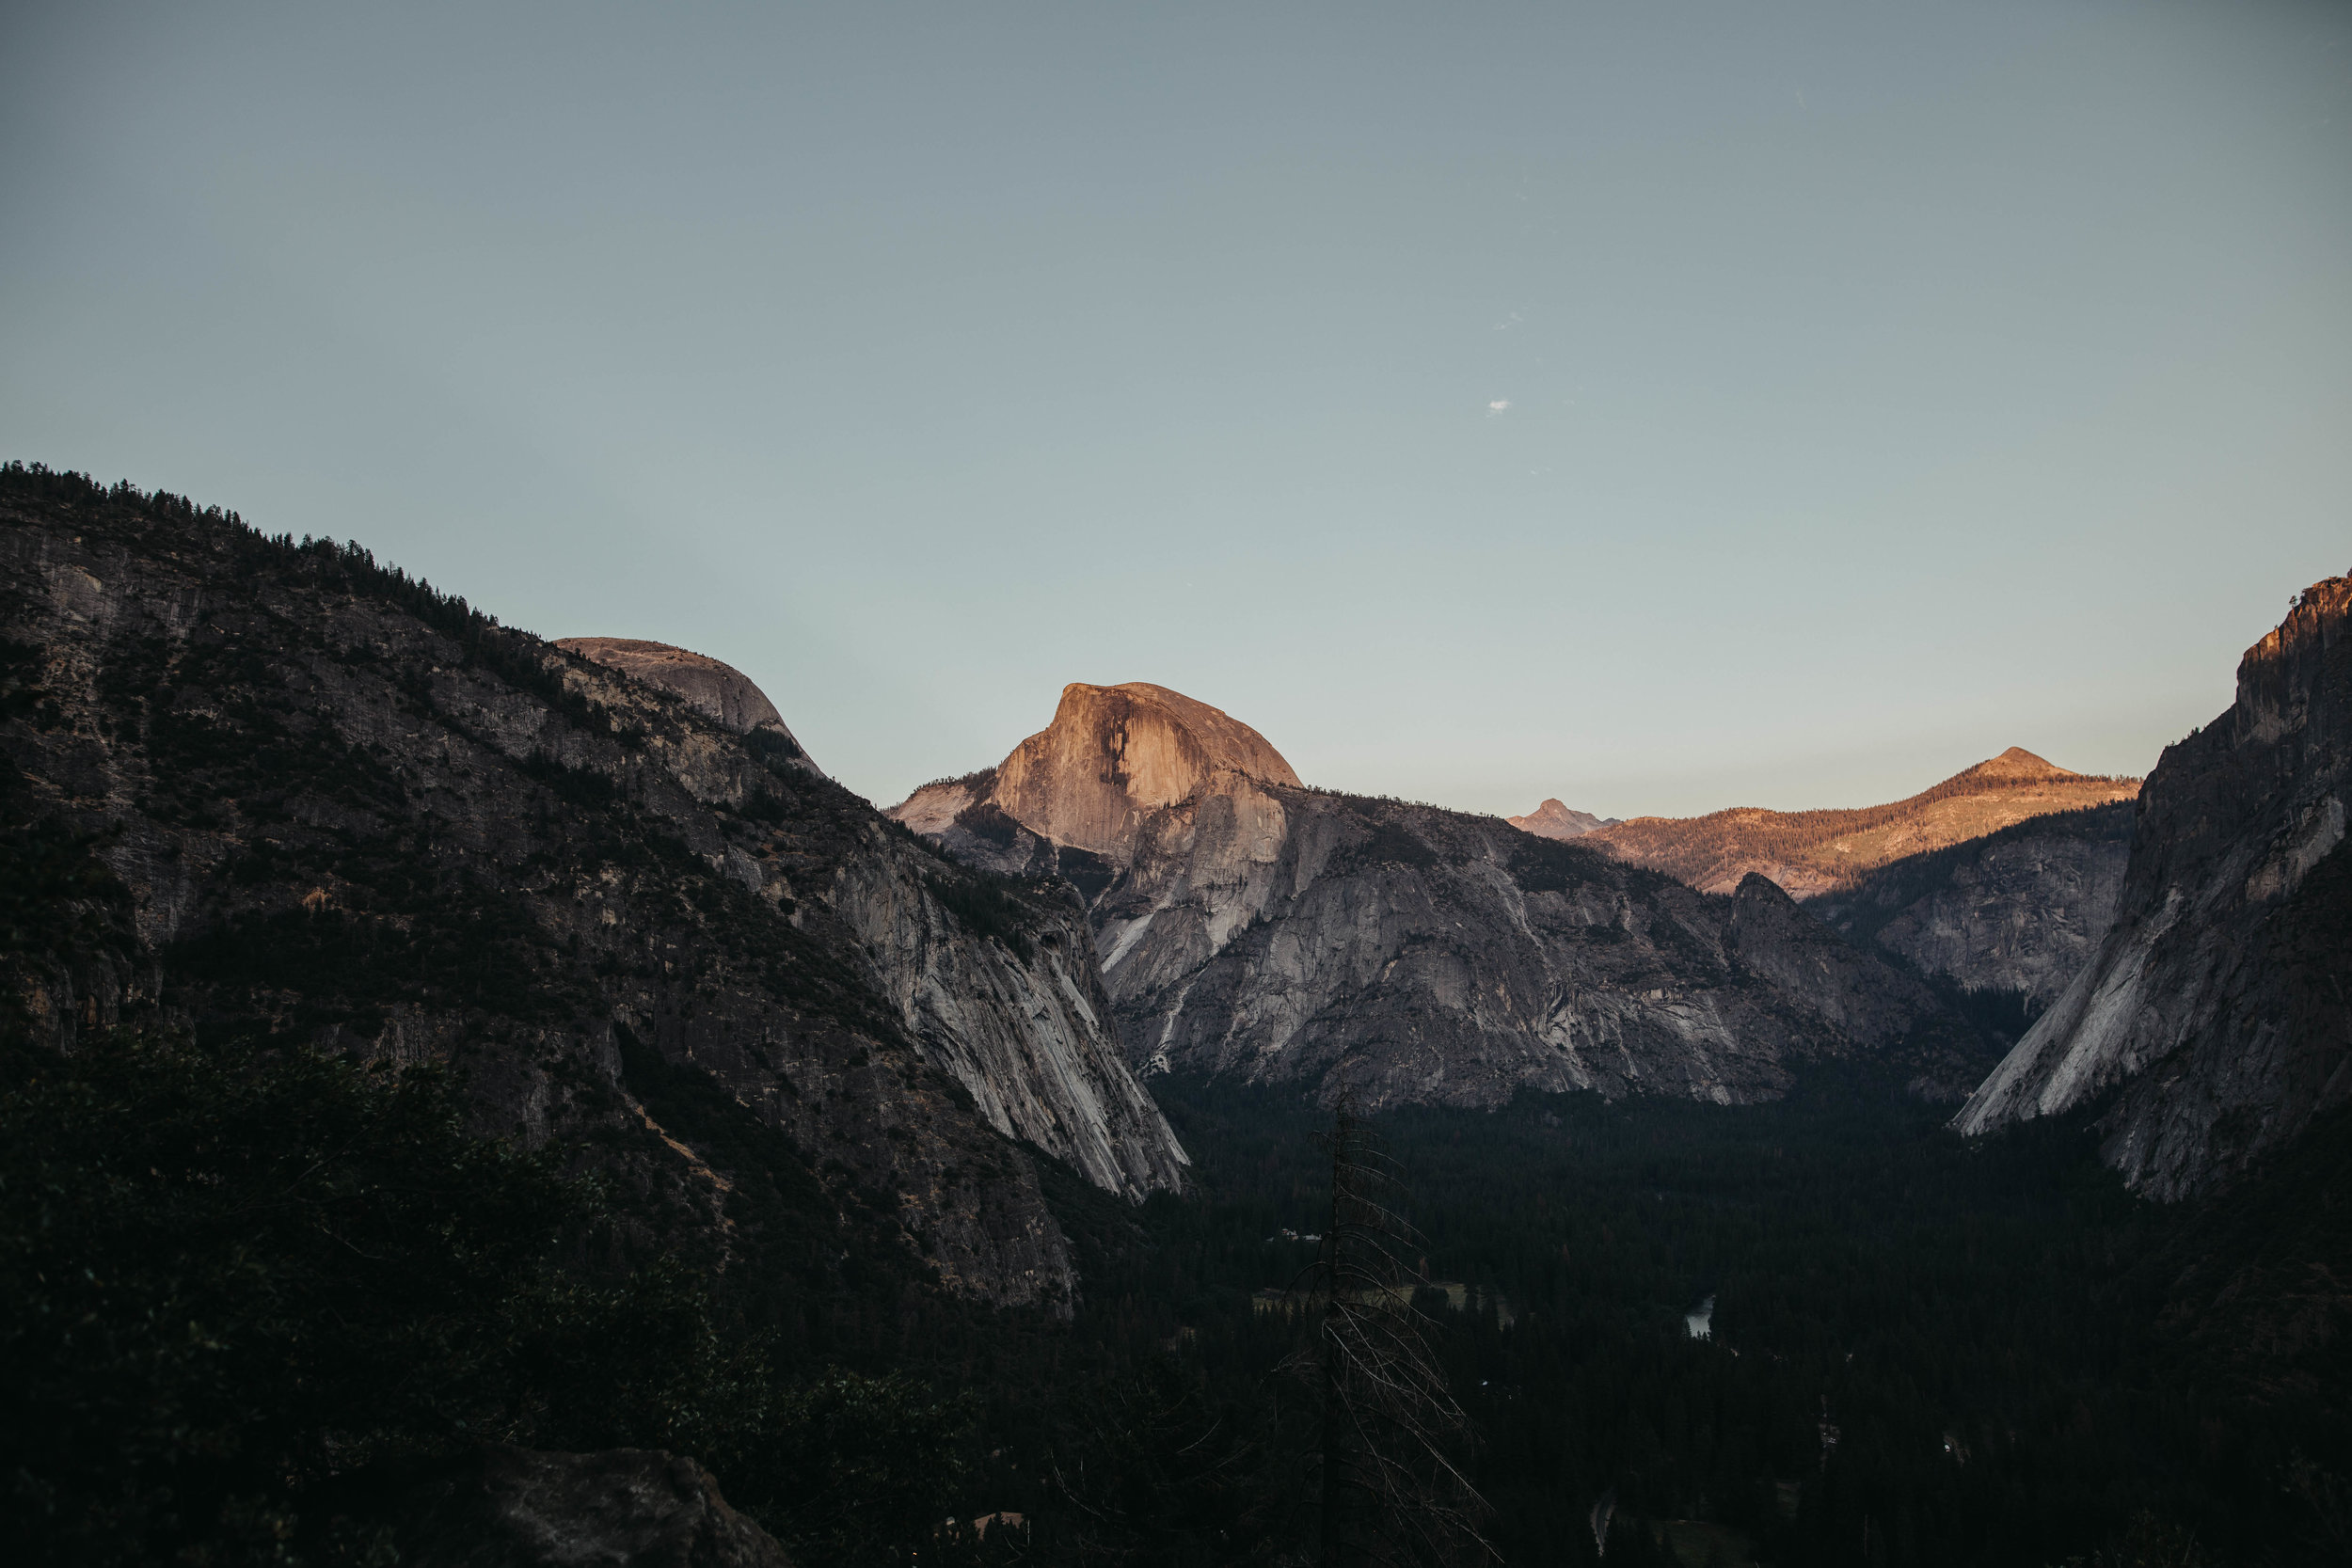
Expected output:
(1811, 853)
(2217, 1009)
(350, 811)
(621, 1507)
(1112, 756)
(1553, 820)
(2015, 913)
(717, 690)
(1256, 928)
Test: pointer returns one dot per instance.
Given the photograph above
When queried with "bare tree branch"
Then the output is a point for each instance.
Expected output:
(1393, 1436)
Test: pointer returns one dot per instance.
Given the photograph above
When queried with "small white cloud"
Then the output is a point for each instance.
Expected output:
(1500, 405)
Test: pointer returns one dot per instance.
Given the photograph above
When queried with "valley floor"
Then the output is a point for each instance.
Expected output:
(1923, 1351)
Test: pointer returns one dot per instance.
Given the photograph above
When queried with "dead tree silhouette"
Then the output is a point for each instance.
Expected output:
(1393, 1436)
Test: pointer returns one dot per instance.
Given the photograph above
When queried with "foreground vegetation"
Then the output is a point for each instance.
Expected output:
(1922, 1350)
(246, 1294)
(247, 1297)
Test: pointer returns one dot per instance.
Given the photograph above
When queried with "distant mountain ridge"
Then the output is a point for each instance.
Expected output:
(1554, 821)
(1252, 926)
(1810, 853)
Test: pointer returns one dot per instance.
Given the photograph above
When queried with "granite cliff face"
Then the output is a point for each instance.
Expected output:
(2017, 911)
(719, 690)
(1553, 820)
(2216, 1009)
(346, 810)
(1112, 756)
(1815, 852)
(1258, 928)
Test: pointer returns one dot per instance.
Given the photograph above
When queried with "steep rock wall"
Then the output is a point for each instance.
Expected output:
(1412, 955)
(1257, 928)
(1114, 754)
(347, 811)
(2016, 911)
(2215, 1008)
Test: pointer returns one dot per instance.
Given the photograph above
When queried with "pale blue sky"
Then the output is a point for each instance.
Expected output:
(1661, 408)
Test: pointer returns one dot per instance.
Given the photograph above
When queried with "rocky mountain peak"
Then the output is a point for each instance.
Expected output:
(2278, 675)
(2213, 1006)
(1253, 928)
(715, 689)
(1115, 753)
(2016, 765)
(1554, 821)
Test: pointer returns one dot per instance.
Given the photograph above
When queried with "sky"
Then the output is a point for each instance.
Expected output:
(1658, 407)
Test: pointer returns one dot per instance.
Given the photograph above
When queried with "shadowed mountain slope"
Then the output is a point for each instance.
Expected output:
(2016, 911)
(1813, 852)
(2216, 1008)
(346, 810)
